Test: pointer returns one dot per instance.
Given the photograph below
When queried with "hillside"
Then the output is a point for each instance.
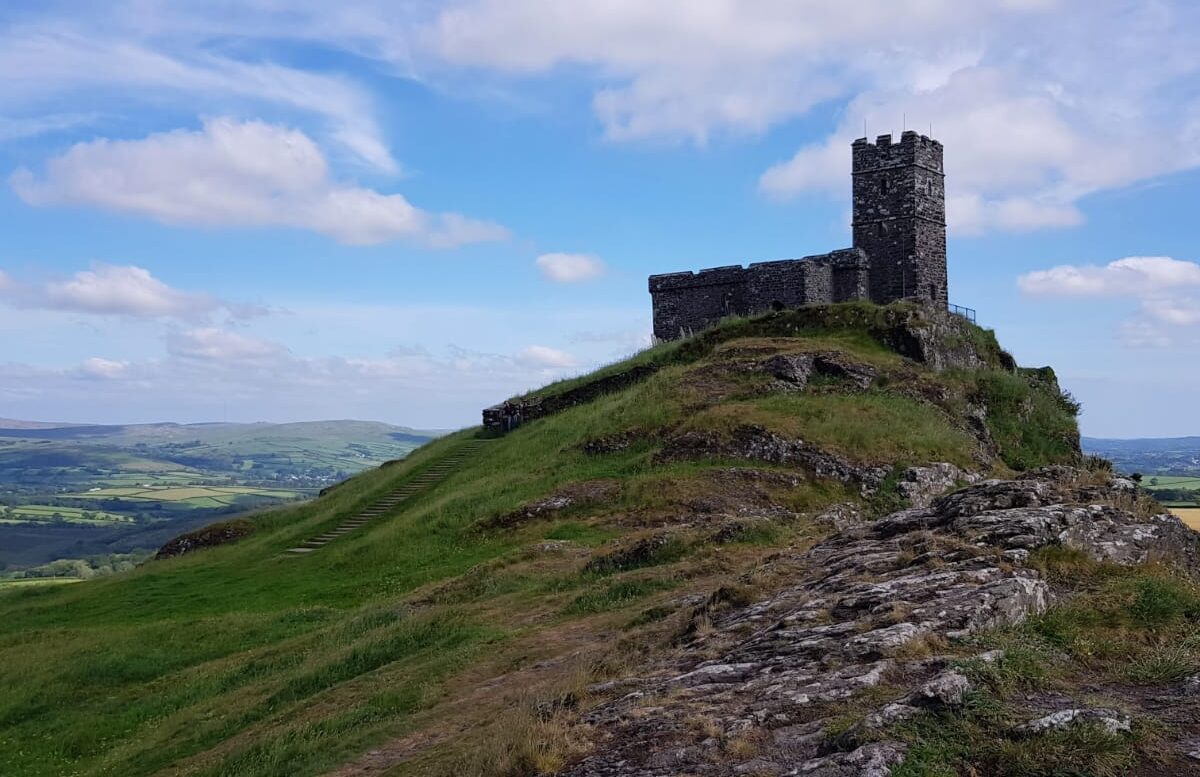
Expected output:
(840, 540)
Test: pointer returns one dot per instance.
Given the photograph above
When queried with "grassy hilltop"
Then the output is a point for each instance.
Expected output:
(455, 635)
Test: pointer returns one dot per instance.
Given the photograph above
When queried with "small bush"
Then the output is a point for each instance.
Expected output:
(1159, 601)
(1030, 420)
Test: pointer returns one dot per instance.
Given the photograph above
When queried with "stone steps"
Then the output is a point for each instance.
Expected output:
(424, 481)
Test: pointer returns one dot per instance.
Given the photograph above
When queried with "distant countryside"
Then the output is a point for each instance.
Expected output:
(1169, 469)
(78, 501)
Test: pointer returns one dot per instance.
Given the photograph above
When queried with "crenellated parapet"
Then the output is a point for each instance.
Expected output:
(687, 302)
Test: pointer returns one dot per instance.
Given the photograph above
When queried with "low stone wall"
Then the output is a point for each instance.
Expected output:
(507, 416)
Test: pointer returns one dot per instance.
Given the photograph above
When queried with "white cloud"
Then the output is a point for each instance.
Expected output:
(39, 62)
(1034, 114)
(128, 291)
(1020, 152)
(1133, 276)
(105, 369)
(570, 268)
(684, 68)
(1160, 284)
(234, 173)
(544, 357)
(118, 290)
(219, 345)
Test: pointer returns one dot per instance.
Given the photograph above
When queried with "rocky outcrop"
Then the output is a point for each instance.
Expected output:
(919, 485)
(758, 444)
(588, 492)
(795, 370)
(208, 537)
(507, 416)
(884, 605)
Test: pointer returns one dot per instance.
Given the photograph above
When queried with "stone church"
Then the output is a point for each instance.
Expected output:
(899, 251)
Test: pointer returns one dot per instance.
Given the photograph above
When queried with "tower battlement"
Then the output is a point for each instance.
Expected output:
(899, 250)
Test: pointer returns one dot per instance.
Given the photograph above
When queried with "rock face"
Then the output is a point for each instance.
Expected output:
(208, 537)
(507, 416)
(876, 606)
(795, 370)
(755, 443)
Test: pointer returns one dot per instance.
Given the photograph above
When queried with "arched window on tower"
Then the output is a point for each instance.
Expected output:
(883, 184)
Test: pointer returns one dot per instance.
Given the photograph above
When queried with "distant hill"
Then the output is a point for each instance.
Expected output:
(208, 432)
(81, 490)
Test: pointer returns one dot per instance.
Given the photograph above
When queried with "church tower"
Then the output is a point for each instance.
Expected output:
(900, 216)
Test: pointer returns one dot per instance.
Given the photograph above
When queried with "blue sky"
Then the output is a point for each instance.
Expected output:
(405, 211)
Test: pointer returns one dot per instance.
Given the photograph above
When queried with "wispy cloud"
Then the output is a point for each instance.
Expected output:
(211, 344)
(241, 174)
(16, 128)
(570, 268)
(39, 62)
(206, 369)
(103, 369)
(542, 357)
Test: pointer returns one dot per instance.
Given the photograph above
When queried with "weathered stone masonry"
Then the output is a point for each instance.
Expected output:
(899, 251)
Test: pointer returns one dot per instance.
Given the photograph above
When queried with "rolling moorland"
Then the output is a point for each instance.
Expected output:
(92, 496)
(836, 540)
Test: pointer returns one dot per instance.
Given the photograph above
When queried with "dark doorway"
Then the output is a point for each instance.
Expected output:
(777, 306)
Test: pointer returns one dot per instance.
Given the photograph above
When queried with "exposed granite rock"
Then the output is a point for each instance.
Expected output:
(612, 443)
(948, 689)
(1112, 721)
(919, 485)
(794, 370)
(759, 444)
(587, 492)
(870, 607)
(207, 537)
(873, 760)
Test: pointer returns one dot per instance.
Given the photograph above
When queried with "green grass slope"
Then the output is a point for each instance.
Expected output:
(431, 636)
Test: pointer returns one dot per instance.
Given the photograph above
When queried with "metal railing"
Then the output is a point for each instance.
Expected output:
(958, 310)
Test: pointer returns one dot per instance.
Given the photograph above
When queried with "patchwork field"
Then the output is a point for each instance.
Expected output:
(22, 513)
(195, 496)
(142, 484)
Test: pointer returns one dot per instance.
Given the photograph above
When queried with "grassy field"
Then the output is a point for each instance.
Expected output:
(195, 496)
(12, 585)
(1190, 515)
(1171, 481)
(22, 513)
